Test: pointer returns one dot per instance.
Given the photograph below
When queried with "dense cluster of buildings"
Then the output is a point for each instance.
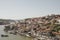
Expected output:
(43, 28)
(40, 25)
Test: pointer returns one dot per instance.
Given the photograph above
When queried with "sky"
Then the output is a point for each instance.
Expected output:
(21, 9)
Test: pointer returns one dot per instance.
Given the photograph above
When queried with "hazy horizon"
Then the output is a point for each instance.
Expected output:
(21, 9)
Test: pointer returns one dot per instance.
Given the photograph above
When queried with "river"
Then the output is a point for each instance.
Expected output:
(11, 36)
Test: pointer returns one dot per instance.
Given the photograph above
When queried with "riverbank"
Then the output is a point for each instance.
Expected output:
(11, 36)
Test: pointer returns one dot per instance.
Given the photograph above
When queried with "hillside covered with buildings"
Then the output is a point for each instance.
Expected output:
(46, 27)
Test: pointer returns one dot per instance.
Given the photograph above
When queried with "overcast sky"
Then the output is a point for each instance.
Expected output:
(20, 9)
